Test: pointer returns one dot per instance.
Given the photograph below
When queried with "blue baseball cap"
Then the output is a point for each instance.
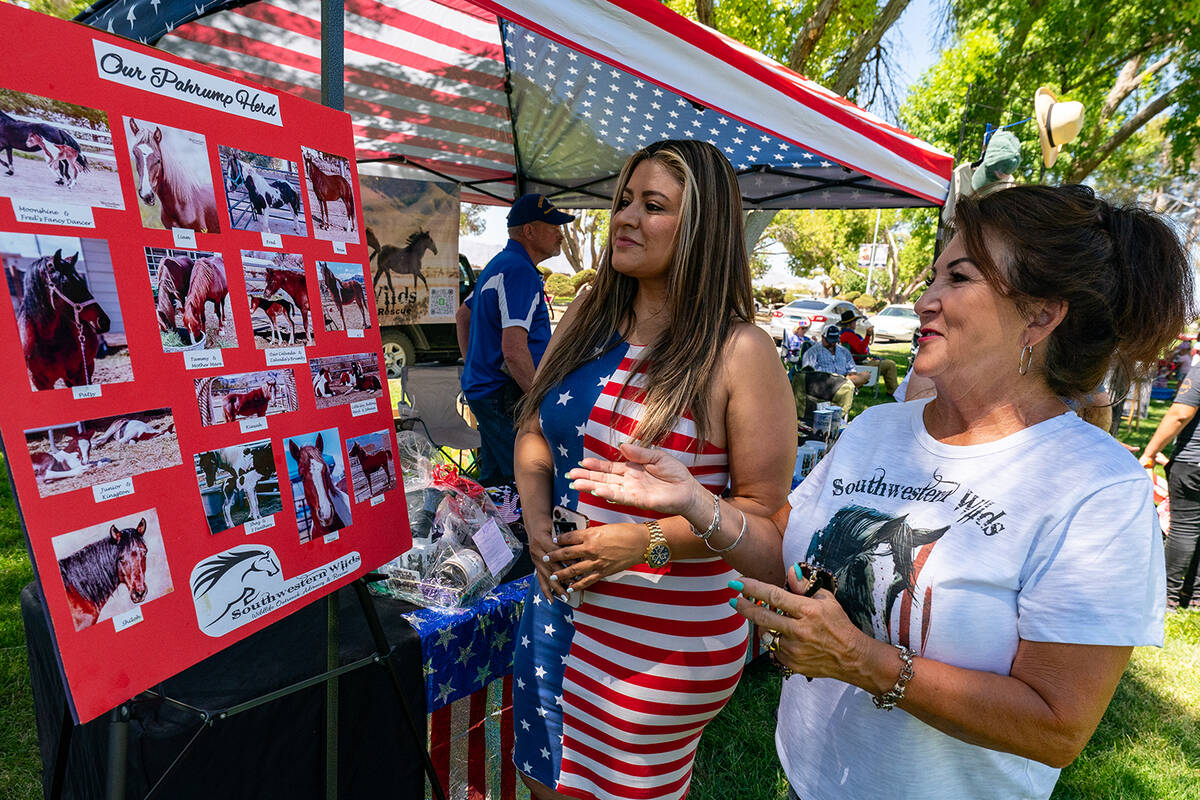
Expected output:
(536, 208)
(833, 333)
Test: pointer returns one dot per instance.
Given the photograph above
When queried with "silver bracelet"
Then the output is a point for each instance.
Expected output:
(716, 523)
(741, 533)
(888, 700)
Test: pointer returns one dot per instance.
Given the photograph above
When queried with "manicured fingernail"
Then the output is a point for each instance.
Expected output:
(737, 586)
(570, 590)
(799, 574)
(571, 485)
(733, 602)
(553, 577)
(563, 598)
(546, 558)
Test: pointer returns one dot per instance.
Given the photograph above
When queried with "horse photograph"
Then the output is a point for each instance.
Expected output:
(412, 248)
(343, 296)
(109, 568)
(229, 398)
(56, 153)
(317, 472)
(262, 192)
(79, 455)
(172, 176)
(330, 195)
(64, 296)
(372, 468)
(280, 313)
(237, 484)
(343, 379)
(191, 299)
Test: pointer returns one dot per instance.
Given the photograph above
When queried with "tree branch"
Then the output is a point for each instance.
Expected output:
(810, 35)
(1081, 169)
(850, 69)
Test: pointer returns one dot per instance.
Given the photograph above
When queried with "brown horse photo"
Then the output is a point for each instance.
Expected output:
(185, 283)
(343, 296)
(68, 316)
(110, 568)
(172, 176)
(330, 196)
(280, 313)
(372, 469)
(318, 476)
(228, 398)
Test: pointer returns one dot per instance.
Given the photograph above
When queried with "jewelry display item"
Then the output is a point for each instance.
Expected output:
(888, 700)
(736, 541)
(658, 554)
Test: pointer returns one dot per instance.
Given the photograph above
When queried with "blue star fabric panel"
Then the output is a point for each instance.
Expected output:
(465, 649)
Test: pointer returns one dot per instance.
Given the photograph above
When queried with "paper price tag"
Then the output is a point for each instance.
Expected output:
(285, 355)
(203, 359)
(272, 240)
(85, 392)
(491, 546)
(112, 490)
(339, 248)
(256, 525)
(123, 621)
(363, 407)
(251, 424)
(184, 237)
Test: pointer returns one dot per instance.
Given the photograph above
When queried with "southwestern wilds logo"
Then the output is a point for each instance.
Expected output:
(245, 582)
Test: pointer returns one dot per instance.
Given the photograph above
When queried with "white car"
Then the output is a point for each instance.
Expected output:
(820, 314)
(896, 322)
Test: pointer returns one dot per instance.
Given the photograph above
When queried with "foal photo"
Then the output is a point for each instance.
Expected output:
(110, 568)
(279, 312)
(64, 297)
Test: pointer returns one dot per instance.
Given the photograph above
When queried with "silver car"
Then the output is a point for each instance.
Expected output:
(895, 323)
(820, 314)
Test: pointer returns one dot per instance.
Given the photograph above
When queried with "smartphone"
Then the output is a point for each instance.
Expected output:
(563, 520)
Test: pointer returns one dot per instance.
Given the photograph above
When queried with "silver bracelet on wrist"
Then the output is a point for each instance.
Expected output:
(741, 533)
(716, 523)
(888, 700)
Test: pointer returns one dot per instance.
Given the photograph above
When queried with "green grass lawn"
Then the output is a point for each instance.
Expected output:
(1146, 748)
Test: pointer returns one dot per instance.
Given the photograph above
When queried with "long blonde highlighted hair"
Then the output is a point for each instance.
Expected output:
(708, 292)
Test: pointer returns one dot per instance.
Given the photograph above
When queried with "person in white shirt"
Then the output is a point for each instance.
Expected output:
(994, 558)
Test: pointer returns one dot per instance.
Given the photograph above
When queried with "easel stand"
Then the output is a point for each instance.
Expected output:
(119, 720)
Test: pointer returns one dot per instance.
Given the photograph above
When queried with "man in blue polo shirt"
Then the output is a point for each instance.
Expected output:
(509, 328)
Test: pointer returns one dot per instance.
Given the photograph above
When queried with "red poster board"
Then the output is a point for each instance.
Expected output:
(193, 412)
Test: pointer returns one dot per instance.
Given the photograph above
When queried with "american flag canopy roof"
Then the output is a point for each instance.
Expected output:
(553, 94)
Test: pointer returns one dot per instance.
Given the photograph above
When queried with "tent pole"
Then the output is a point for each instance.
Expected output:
(518, 173)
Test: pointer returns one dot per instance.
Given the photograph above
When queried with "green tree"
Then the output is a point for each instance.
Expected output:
(584, 238)
(470, 220)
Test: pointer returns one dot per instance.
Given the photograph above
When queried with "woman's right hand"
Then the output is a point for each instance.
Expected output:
(649, 479)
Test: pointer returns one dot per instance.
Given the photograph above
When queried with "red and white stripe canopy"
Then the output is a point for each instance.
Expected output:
(553, 95)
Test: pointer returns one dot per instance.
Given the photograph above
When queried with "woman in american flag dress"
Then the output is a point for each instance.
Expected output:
(628, 645)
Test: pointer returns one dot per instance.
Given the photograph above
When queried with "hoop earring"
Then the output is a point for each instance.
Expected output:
(1025, 360)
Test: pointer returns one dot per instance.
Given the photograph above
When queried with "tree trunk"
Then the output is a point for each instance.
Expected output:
(704, 13)
(893, 266)
(810, 34)
(756, 222)
(849, 71)
(1081, 169)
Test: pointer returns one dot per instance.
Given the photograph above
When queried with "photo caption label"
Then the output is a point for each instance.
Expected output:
(252, 424)
(273, 240)
(85, 392)
(339, 248)
(39, 213)
(285, 355)
(123, 621)
(354, 333)
(203, 359)
(184, 237)
(364, 407)
(256, 525)
(112, 490)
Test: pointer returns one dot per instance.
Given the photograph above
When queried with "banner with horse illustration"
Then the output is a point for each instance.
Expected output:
(193, 413)
(412, 236)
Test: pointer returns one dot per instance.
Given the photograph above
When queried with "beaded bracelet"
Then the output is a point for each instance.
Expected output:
(741, 533)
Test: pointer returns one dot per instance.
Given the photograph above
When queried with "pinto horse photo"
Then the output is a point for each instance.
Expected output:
(57, 152)
(172, 177)
(318, 476)
(260, 189)
(185, 283)
(372, 469)
(238, 484)
(70, 324)
(345, 379)
(343, 288)
(110, 568)
(330, 196)
(228, 398)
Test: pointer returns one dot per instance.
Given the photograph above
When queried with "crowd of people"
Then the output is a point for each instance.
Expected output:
(955, 620)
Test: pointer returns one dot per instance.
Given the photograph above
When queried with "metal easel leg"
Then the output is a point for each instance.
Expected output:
(118, 752)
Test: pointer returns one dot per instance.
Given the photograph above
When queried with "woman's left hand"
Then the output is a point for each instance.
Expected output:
(816, 638)
(597, 552)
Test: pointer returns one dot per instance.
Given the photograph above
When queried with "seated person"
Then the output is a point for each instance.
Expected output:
(857, 346)
(830, 357)
(795, 342)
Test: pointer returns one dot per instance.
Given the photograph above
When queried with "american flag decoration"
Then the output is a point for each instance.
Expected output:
(554, 94)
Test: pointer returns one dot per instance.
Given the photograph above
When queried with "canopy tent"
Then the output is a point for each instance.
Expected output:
(552, 96)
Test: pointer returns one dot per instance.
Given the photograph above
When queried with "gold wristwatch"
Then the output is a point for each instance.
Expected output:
(658, 554)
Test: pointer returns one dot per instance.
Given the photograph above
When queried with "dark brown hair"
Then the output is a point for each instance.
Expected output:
(1121, 270)
(708, 292)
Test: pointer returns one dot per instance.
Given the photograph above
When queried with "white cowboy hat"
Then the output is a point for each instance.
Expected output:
(1058, 123)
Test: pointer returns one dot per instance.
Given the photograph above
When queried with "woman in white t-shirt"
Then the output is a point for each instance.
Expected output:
(996, 557)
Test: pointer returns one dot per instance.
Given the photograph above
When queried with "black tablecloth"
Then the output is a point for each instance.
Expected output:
(273, 751)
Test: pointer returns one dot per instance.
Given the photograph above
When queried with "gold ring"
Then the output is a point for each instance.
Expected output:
(770, 640)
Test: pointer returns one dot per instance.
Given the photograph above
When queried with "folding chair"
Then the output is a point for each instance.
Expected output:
(438, 416)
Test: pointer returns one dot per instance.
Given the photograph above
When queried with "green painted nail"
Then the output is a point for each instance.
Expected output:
(737, 586)
(733, 602)
(571, 485)
(799, 574)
